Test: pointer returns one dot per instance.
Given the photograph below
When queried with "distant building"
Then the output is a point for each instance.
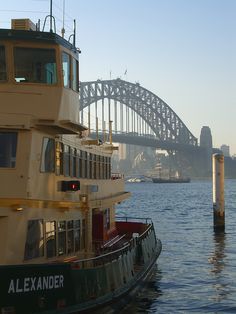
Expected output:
(225, 150)
(206, 137)
(206, 143)
(230, 167)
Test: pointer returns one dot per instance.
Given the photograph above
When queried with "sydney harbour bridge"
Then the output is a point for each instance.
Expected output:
(139, 117)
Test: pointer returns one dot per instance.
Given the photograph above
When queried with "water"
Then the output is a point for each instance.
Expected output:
(196, 271)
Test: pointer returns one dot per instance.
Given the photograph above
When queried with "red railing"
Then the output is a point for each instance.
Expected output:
(116, 176)
(113, 255)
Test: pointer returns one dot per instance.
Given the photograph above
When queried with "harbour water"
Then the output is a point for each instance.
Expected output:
(196, 271)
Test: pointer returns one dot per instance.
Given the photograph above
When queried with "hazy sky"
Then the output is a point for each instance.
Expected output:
(184, 51)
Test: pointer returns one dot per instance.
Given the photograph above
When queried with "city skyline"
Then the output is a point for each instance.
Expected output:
(182, 51)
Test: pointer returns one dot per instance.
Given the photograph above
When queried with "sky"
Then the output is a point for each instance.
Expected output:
(184, 51)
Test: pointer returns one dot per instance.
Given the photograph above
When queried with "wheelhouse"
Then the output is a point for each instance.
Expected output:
(39, 74)
(33, 57)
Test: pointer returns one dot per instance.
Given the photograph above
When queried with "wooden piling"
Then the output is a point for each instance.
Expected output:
(218, 192)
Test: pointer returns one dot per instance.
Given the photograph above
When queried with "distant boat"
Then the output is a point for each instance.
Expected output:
(136, 180)
(171, 180)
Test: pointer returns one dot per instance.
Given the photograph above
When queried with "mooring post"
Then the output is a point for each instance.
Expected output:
(218, 192)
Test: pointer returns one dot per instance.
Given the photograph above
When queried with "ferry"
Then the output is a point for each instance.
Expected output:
(62, 248)
(171, 180)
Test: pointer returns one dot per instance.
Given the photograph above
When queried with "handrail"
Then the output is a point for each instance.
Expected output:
(127, 218)
(104, 258)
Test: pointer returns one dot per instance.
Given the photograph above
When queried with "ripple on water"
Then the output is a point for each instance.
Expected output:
(196, 269)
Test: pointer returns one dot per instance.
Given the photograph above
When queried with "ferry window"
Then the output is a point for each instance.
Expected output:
(61, 237)
(101, 167)
(83, 235)
(48, 155)
(85, 165)
(50, 238)
(88, 165)
(8, 143)
(59, 158)
(70, 237)
(106, 168)
(73, 158)
(107, 219)
(66, 160)
(94, 167)
(98, 167)
(66, 69)
(3, 71)
(35, 65)
(34, 246)
(75, 77)
(91, 166)
(77, 234)
(80, 164)
(109, 167)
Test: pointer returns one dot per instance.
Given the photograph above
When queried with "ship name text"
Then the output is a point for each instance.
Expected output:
(29, 284)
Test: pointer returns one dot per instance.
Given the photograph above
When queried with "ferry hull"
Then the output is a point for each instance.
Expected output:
(171, 180)
(81, 286)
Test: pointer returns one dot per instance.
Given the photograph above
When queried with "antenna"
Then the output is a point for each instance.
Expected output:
(51, 17)
(73, 35)
(74, 32)
(63, 21)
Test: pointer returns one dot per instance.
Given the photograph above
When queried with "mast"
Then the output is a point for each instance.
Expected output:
(51, 16)
(63, 21)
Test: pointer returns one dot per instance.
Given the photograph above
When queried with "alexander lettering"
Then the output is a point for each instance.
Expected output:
(28, 284)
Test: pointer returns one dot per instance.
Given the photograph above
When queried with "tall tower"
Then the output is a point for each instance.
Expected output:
(206, 137)
(206, 142)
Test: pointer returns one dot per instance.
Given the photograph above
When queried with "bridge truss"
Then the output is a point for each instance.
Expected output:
(134, 110)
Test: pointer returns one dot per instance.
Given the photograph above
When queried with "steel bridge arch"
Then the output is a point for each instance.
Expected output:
(163, 121)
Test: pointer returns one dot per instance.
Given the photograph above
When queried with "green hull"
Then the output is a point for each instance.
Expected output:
(80, 286)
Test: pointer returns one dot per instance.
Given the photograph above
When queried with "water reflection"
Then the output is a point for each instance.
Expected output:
(218, 264)
(217, 259)
(144, 301)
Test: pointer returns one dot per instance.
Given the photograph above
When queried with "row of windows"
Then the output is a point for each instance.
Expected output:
(53, 238)
(58, 158)
(34, 65)
(71, 162)
(8, 144)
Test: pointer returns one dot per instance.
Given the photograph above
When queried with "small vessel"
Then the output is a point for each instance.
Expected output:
(136, 180)
(63, 250)
(170, 180)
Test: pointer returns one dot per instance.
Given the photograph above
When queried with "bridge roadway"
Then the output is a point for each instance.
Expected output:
(195, 158)
(141, 140)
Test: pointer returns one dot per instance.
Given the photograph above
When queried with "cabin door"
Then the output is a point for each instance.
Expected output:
(98, 225)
